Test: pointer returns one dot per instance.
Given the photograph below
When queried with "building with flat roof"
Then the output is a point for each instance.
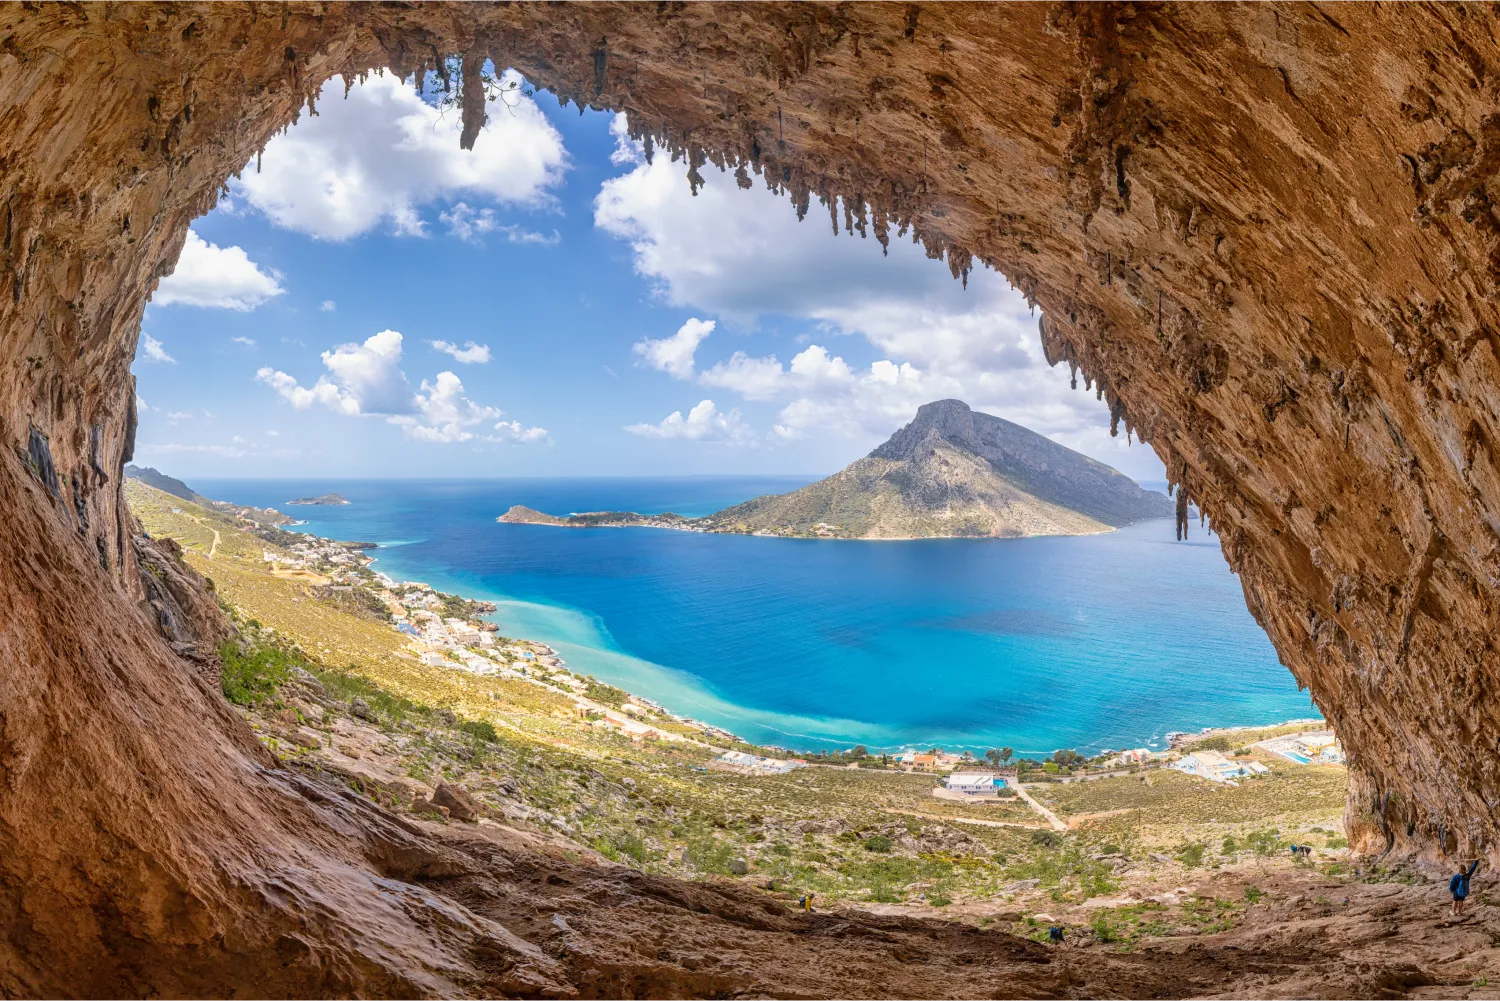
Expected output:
(740, 761)
(974, 783)
(1215, 767)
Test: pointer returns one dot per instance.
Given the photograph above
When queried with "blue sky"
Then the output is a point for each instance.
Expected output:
(375, 301)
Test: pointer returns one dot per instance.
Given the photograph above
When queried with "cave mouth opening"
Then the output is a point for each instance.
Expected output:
(301, 186)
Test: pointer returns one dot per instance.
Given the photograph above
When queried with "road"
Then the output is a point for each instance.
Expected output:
(1042, 811)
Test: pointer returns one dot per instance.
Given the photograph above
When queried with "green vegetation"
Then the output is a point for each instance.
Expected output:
(252, 677)
(481, 728)
(607, 694)
(1191, 854)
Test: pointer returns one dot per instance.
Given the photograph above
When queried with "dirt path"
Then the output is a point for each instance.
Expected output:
(1042, 811)
(215, 547)
(1084, 818)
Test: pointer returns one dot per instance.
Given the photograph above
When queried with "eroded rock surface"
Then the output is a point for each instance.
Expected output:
(1265, 234)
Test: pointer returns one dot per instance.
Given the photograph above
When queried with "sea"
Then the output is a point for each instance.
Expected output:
(1089, 642)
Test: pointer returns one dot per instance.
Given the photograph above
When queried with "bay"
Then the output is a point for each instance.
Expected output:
(1088, 642)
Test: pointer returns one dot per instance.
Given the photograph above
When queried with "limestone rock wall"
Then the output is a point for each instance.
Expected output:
(1266, 234)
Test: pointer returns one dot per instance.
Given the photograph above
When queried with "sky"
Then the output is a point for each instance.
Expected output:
(369, 300)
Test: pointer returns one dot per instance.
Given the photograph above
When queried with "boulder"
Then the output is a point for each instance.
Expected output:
(360, 709)
(739, 866)
(459, 804)
(420, 805)
(305, 738)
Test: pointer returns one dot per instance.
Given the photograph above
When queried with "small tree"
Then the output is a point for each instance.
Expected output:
(1066, 758)
(859, 751)
(1005, 754)
(993, 756)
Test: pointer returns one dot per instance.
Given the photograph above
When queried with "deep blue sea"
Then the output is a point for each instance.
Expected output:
(1089, 642)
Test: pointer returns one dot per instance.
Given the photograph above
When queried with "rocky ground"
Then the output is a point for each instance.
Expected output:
(1258, 925)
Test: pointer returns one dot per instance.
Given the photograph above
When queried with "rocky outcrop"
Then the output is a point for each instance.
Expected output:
(1264, 234)
(182, 603)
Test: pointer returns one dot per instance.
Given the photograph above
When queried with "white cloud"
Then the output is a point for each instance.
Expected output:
(469, 354)
(752, 378)
(376, 157)
(467, 224)
(141, 406)
(216, 277)
(152, 349)
(273, 434)
(248, 342)
(674, 355)
(742, 255)
(370, 374)
(626, 150)
(366, 380)
(327, 306)
(444, 413)
(513, 431)
(179, 415)
(703, 423)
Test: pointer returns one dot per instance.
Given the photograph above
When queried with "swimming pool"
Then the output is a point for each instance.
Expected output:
(1298, 757)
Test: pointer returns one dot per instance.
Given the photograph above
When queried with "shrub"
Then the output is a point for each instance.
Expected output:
(1046, 839)
(481, 728)
(1265, 842)
(250, 677)
(1230, 845)
(1103, 931)
(877, 843)
(1254, 894)
(348, 685)
(1191, 855)
(1213, 744)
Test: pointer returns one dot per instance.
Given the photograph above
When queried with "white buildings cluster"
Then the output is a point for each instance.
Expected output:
(1215, 767)
(752, 764)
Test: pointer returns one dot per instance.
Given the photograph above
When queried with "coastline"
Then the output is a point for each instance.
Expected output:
(678, 523)
(604, 629)
(815, 743)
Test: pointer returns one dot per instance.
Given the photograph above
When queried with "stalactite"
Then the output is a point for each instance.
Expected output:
(1182, 504)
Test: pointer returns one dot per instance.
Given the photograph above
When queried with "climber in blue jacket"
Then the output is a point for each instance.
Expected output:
(1459, 887)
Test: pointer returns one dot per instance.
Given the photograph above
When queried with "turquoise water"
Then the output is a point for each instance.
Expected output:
(1091, 642)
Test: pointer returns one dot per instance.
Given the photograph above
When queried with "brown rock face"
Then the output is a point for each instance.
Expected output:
(1265, 234)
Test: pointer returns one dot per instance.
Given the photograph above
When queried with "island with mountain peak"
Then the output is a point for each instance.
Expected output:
(950, 473)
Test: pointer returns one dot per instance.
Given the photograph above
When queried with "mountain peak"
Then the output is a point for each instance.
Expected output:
(949, 473)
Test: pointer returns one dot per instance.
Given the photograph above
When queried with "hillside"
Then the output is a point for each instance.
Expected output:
(950, 473)
(166, 484)
(264, 517)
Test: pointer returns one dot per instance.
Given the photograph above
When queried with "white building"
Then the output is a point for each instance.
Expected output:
(974, 783)
(1215, 767)
(739, 761)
